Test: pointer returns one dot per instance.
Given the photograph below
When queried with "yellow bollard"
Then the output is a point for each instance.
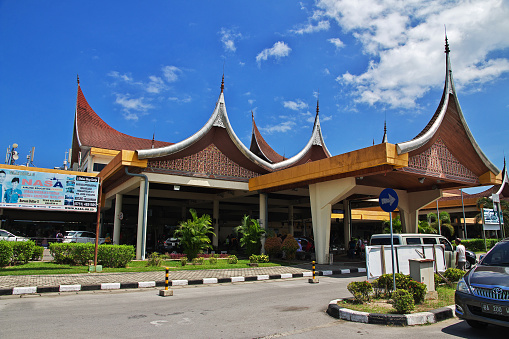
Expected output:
(314, 280)
(166, 292)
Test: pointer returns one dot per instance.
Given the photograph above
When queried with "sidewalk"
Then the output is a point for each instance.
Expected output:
(30, 284)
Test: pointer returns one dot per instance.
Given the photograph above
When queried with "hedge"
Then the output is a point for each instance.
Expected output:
(80, 254)
(477, 245)
(5, 253)
(16, 252)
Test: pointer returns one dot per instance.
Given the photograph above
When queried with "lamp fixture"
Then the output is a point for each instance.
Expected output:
(176, 187)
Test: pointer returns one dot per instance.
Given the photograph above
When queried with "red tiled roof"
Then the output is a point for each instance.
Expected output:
(261, 148)
(92, 131)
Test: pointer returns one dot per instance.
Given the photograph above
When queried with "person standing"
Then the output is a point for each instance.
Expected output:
(461, 257)
(13, 194)
(2, 186)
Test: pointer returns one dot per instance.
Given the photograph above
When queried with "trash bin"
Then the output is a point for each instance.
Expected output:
(421, 270)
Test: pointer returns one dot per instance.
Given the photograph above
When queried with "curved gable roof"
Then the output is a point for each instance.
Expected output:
(91, 131)
(449, 119)
(261, 148)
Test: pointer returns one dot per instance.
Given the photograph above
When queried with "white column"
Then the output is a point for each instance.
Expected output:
(347, 222)
(141, 237)
(264, 216)
(215, 220)
(116, 221)
(409, 205)
(322, 196)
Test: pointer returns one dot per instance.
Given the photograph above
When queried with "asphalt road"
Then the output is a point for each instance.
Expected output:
(270, 309)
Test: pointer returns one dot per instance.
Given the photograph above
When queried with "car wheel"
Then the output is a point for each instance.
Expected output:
(476, 324)
(468, 265)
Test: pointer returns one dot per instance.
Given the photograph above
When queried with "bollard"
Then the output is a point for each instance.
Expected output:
(314, 280)
(166, 292)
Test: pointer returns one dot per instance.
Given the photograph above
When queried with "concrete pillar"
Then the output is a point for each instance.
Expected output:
(290, 219)
(322, 196)
(264, 216)
(141, 237)
(117, 222)
(410, 204)
(215, 221)
(347, 222)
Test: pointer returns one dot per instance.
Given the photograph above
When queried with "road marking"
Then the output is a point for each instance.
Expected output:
(158, 323)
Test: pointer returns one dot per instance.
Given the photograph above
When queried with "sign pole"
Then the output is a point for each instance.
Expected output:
(392, 254)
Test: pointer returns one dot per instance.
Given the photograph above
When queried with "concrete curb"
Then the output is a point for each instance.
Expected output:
(390, 319)
(150, 284)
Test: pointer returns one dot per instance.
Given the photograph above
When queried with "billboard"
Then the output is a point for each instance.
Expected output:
(24, 189)
(490, 219)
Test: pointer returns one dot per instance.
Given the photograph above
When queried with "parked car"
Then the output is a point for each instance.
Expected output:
(81, 237)
(425, 239)
(6, 235)
(482, 295)
(170, 245)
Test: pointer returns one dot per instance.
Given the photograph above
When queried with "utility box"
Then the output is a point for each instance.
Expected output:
(421, 270)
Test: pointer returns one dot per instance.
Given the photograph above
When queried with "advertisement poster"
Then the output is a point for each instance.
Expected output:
(47, 191)
(490, 219)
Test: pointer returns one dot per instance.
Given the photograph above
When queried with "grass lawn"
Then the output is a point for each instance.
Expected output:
(37, 268)
(445, 298)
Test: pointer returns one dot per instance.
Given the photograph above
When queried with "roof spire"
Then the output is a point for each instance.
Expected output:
(78, 77)
(447, 50)
(153, 139)
(222, 84)
(384, 139)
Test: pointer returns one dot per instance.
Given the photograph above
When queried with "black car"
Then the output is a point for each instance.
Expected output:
(482, 295)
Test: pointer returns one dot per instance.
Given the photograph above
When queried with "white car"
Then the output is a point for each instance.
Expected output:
(6, 235)
(81, 237)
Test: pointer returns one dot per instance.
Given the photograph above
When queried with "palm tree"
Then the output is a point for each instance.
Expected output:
(486, 202)
(194, 234)
(425, 227)
(396, 225)
(251, 234)
(446, 228)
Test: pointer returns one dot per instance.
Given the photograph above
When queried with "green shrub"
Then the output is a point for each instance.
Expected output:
(273, 246)
(454, 274)
(361, 290)
(81, 253)
(232, 259)
(155, 260)
(22, 251)
(402, 301)
(477, 245)
(290, 246)
(38, 253)
(199, 261)
(418, 291)
(212, 260)
(258, 258)
(384, 283)
(115, 255)
(5, 253)
(438, 280)
(61, 252)
(183, 261)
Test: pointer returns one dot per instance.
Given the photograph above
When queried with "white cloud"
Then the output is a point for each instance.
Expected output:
(295, 105)
(405, 41)
(228, 37)
(156, 85)
(125, 77)
(336, 42)
(132, 108)
(283, 127)
(184, 100)
(279, 50)
(171, 73)
(322, 25)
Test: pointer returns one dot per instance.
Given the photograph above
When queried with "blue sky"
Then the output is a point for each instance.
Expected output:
(156, 66)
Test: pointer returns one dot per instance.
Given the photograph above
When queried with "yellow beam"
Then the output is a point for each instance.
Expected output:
(103, 151)
(47, 170)
(122, 159)
(351, 162)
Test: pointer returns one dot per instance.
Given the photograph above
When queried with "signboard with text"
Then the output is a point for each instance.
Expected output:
(490, 219)
(24, 189)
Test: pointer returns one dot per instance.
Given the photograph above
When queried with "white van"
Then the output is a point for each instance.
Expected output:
(423, 239)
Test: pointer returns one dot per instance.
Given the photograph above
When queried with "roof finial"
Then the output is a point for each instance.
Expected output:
(78, 77)
(222, 84)
(153, 139)
(384, 139)
(317, 101)
(447, 50)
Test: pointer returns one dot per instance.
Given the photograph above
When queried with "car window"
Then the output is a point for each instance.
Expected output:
(446, 243)
(413, 241)
(384, 241)
(4, 234)
(88, 235)
(429, 241)
(499, 255)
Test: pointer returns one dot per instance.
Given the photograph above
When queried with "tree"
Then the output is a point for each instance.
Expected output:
(486, 202)
(446, 229)
(194, 234)
(251, 234)
(396, 225)
(424, 227)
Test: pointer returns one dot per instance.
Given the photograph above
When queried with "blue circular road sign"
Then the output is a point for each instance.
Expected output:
(388, 200)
